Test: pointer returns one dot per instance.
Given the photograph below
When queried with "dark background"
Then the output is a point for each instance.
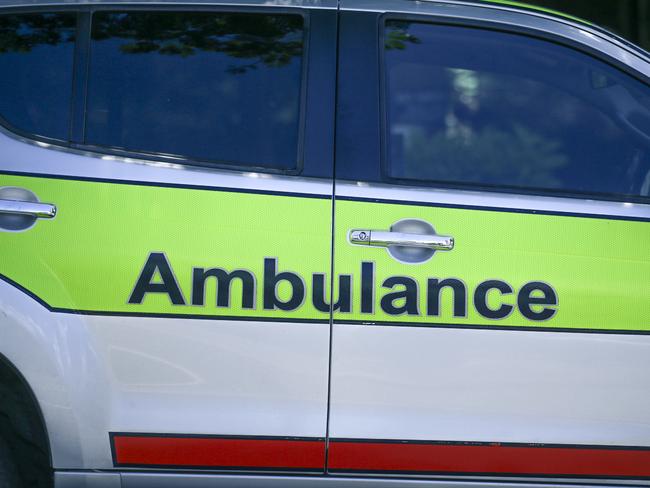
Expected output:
(627, 18)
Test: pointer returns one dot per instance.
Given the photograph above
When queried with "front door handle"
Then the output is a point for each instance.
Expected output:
(30, 209)
(382, 238)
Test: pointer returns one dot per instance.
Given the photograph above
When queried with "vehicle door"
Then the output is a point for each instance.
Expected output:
(492, 228)
(165, 196)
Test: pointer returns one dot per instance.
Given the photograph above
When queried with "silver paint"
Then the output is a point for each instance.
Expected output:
(134, 479)
(323, 4)
(484, 199)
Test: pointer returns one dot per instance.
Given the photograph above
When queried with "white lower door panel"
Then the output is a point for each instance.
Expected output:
(420, 399)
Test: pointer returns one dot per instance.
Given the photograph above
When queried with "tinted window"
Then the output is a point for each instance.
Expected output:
(471, 106)
(36, 56)
(222, 87)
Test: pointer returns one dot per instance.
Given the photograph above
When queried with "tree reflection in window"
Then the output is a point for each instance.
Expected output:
(222, 87)
(271, 40)
(22, 33)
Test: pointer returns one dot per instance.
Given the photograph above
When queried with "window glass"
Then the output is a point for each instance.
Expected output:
(473, 106)
(36, 57)
(223, 87)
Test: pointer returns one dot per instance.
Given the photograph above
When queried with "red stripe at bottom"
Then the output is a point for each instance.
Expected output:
(488, 459)
(215, 452)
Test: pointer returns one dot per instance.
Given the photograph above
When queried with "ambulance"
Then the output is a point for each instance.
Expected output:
(322, 243)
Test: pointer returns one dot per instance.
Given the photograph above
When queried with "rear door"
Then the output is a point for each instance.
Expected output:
(492, 228)
(193, 183)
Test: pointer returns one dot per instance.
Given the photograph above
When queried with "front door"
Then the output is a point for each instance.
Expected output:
(492, 226)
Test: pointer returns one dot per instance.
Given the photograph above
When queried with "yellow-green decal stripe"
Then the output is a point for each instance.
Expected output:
(142, 249)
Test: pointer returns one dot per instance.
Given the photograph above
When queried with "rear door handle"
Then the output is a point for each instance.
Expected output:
(382, 238)
(30, 209)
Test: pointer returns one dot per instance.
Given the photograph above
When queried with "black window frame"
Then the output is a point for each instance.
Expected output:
(81, 75)
(487, 25)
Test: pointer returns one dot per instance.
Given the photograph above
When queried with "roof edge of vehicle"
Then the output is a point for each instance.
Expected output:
(537, 8)
(528, 8)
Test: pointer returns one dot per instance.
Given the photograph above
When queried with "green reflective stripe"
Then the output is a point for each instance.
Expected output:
(90, 256)
(528, 6)
(590, 273)
(599, 268)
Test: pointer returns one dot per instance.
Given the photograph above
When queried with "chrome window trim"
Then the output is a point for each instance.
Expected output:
(21, 156)
(496, 201)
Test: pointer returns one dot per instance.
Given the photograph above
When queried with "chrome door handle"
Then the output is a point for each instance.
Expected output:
(30, 209)
(382, 238)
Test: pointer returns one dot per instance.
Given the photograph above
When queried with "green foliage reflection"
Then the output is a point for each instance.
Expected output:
(22, 33)
(272, 40)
